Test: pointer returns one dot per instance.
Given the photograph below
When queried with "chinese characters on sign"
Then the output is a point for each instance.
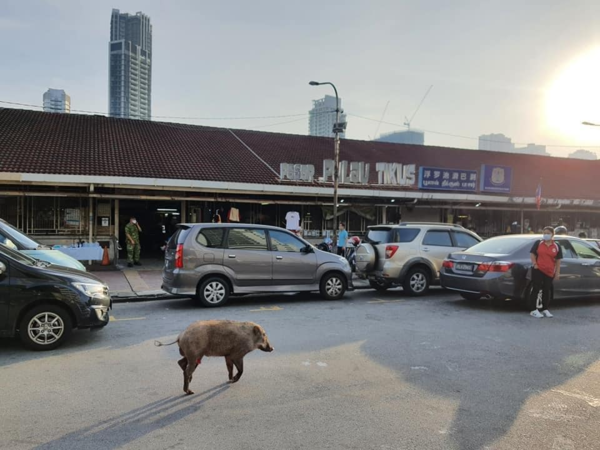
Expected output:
(447, 179)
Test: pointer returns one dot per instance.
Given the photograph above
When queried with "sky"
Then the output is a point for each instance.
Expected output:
(529, 70)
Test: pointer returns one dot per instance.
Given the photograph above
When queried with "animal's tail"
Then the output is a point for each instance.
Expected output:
(160, 344)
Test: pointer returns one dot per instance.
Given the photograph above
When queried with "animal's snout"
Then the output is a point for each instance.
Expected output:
(266, 348)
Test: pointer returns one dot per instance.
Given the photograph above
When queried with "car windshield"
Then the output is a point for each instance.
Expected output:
(18, 256)
(501, 246)
(16, 234)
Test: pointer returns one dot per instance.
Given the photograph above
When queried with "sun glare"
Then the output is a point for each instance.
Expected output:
(574, 97)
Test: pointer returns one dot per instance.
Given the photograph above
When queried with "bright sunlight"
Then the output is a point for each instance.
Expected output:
(574, 97)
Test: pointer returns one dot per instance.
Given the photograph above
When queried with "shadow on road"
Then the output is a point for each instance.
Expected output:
(125, 428)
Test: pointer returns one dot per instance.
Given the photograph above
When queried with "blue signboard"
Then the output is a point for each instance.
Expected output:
(447, 179)
(495, 178)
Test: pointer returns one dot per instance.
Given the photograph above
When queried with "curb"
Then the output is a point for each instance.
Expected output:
(126, 297)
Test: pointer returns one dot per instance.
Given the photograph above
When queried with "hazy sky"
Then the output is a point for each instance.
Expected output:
(493, 64)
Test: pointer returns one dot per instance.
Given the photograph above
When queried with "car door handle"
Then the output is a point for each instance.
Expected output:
(425, 249)
(232, 256)
(587, 264)
(279, 257)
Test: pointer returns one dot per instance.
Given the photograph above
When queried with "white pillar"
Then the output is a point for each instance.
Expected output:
(91, 220)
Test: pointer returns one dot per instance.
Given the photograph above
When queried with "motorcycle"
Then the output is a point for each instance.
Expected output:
(350, 252)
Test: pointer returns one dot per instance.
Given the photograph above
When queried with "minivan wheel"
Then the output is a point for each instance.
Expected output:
(45, 327)
(333, 286)
(213, 292)
(416, 282)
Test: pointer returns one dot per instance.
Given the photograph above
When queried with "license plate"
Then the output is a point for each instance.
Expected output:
(464, 267)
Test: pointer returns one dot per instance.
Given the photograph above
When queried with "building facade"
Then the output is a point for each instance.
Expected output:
(57, 100)
(68, 177)
(413, 137)
(130, 66)
(321, 117)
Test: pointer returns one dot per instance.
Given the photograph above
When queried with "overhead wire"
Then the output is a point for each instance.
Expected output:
(303, 116)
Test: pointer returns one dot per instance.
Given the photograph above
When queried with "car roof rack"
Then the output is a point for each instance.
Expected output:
(406, 224)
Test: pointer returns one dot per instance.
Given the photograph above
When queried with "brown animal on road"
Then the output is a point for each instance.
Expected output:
(227, 338)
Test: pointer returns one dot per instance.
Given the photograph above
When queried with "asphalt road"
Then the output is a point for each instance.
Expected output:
(375, 371)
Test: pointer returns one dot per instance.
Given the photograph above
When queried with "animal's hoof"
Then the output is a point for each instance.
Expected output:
(188, 392)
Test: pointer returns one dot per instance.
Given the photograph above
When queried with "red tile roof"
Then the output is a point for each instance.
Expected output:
(71, 144)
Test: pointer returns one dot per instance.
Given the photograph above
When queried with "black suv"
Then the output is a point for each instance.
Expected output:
(43, 303)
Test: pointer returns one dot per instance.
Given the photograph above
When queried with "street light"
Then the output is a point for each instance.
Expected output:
(337, 129)
(591, 124)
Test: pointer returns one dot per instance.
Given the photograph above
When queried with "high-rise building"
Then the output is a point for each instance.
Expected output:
(501, 143)
(57, 100)
(414, 137)
(584, 154)
(496, 143)
(130, 66)
(321, 117)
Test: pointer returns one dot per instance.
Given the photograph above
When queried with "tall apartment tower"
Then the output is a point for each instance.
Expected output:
(130, 66)
(322, 117)
(57, 100)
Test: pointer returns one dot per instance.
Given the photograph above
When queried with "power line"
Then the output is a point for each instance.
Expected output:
(281, 116)
(441, 133)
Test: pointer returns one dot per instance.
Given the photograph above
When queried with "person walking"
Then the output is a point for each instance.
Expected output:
(132, 233)
(342, 239)
(545, 258)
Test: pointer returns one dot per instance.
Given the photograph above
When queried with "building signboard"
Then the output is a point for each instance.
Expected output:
(441, 179)
(495, 178)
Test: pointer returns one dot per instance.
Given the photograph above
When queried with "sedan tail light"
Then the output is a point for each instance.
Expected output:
(448, 264)
(179, 257)
(390, 251)
(498, 266)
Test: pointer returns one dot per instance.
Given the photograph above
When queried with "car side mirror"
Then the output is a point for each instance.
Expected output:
(308, 249)
(2, 268)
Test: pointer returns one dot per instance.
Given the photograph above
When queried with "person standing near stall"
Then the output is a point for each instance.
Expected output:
(132, 233)
(545, 258)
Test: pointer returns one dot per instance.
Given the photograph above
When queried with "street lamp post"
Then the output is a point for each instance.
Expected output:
(337, 129)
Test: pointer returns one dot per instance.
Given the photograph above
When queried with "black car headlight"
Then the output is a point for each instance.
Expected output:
(93, 290)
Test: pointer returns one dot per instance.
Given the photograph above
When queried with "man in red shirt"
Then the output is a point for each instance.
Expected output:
(545, 258)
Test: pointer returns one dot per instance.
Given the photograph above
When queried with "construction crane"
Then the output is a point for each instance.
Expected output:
(409, 121)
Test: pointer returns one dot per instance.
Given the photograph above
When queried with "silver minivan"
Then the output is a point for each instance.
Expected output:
(212, 261)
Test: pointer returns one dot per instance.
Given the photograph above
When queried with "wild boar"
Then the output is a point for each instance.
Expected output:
(227, 338)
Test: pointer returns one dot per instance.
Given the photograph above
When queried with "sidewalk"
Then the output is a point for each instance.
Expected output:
(144, 283)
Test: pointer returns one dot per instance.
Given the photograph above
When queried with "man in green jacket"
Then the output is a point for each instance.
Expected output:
(132, 233)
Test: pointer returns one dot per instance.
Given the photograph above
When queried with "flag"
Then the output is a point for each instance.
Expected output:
(538, 196)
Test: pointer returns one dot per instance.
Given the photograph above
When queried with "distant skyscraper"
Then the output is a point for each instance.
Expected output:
(130, 66)
(57, 100)
(322, 117)
(403, 137)
(584, 154)
(496, 143)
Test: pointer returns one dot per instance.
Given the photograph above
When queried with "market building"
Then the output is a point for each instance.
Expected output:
(66, 178)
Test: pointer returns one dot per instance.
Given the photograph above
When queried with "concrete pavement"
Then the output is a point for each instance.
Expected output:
(374, 371)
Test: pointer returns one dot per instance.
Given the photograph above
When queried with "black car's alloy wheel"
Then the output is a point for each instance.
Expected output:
(45, 327)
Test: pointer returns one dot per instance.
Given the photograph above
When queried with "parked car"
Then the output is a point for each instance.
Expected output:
(42, 303)
(12, 237)
(595, 242)
(498, 269)
(409, 254)
(213, 261)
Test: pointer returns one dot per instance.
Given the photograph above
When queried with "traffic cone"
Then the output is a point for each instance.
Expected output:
(105, 257)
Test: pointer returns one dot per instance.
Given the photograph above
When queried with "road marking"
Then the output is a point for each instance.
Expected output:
(378, 300)
(262, 308)
(592, 401)
(114, 319)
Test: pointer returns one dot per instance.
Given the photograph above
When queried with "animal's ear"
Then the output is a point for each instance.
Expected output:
(257, 331)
